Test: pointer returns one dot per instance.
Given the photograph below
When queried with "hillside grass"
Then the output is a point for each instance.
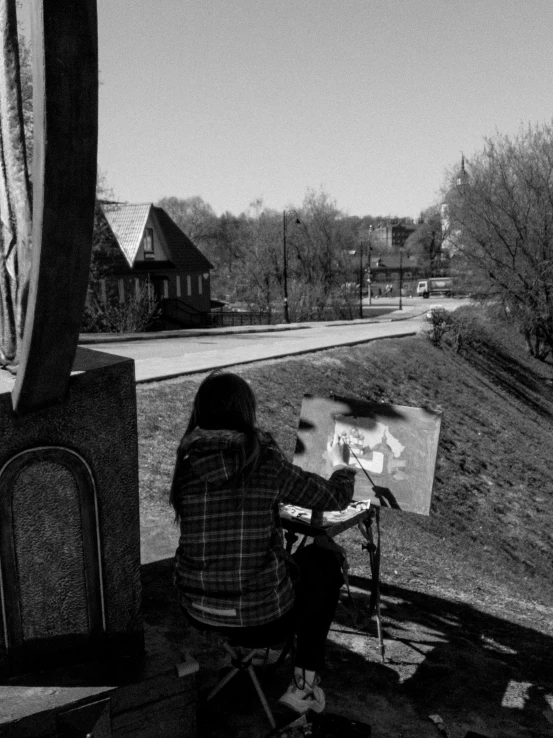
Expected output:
(488, 540)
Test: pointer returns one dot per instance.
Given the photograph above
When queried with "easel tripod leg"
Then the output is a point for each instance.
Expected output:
(377, 584)
(379, 627)
(374, 558)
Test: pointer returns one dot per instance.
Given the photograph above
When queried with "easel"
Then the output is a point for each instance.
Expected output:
(364, 521)
(373, 548)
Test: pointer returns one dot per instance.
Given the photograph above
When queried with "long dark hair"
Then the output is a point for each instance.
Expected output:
(224, 401)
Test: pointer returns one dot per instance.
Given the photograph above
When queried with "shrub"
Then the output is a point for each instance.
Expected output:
(440, 322)
(470, 328)
(134, 315)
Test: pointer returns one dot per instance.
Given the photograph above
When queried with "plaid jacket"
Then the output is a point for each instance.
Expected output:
(231, 566)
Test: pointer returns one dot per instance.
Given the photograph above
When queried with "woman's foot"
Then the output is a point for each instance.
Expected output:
(303, 693)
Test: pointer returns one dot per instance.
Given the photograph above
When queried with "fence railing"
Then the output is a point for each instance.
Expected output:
(188, 317)
(227, 318)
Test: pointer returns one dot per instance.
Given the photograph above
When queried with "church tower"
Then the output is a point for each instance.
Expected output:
(462, 177)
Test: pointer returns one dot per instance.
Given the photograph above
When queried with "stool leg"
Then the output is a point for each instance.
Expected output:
(261, 696)
(232, 673)
(219, 686)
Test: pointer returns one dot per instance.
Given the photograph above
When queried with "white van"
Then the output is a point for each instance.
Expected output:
(442, 286)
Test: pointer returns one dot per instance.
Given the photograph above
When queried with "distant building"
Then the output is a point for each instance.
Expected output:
(392, 236)
(154, 251)
(391, 269)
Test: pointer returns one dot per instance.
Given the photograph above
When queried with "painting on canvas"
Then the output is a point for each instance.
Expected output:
(393, 448)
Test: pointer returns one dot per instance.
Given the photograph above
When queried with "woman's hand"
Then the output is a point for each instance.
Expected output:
(338, 451)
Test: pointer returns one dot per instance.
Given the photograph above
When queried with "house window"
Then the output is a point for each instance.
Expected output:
(121, 287)
(165, 288)
(189, 285)
(148, 243)
(178, 286)
(200, 284)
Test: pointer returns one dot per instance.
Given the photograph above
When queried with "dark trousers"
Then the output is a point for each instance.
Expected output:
(317, 586)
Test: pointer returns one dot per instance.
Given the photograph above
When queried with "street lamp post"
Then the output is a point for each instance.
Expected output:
(285, 259)
(400, 278)
(369, 286)
(360, 279)
(285, 268)
(369, 278)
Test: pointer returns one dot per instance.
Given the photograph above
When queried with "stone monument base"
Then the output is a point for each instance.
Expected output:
(69, 522)
(152, 697)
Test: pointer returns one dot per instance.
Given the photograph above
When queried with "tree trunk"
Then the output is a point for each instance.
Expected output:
(15, 194)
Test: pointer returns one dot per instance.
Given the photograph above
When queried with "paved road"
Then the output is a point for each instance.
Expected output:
(163, 358)
(173, 357)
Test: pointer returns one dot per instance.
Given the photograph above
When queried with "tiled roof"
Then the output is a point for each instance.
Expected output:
(183, 253)
(127, 223)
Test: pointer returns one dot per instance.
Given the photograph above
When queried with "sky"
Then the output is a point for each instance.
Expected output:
(369, 100)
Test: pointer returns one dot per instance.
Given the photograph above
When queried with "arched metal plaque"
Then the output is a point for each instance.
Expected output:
(65, 98)
(51, 583)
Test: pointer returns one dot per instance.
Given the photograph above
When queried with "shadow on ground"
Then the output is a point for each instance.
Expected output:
(520, 380)
(476, 671)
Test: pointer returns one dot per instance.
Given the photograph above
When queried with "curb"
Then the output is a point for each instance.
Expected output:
(90, 338)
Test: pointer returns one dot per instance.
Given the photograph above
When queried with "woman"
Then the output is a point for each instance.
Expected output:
(232, 571)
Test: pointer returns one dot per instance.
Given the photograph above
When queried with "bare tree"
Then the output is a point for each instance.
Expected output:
(258, 273)
(426, 242)
(15, 193)
(318, 266)
(502, 218)
(195, 217)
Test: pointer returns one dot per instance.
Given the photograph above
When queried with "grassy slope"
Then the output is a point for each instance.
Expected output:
(489, 538)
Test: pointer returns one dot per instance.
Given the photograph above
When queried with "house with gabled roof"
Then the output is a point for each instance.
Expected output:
(157, 252)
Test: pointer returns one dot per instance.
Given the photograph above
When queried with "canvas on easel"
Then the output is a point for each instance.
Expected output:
(393, 447)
